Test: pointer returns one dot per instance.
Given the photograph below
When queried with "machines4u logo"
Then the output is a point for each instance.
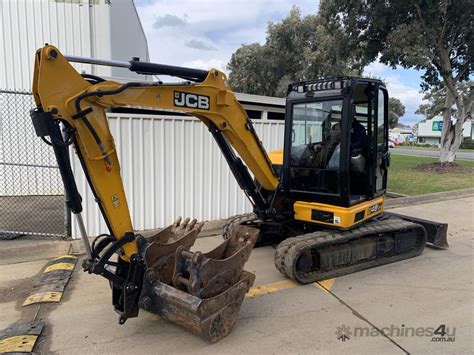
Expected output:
(442, 333)
(185, 99)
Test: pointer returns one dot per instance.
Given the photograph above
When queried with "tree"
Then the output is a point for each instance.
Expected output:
(251, 71)
(436, 98)
(297, 48)
(431, 35)
(395, 110)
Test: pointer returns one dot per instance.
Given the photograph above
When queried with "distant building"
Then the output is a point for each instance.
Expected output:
(429, 132)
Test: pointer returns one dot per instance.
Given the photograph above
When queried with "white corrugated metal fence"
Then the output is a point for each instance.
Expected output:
(172, 167)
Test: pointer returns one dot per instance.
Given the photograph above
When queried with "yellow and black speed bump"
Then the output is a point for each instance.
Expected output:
(20, 338)
(50, 284)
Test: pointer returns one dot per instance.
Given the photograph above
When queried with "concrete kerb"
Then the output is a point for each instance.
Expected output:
(433, 197)
(23, 250)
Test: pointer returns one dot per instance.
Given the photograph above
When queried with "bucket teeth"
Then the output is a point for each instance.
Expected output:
(160, 253)
(207, 275)
(202, 292)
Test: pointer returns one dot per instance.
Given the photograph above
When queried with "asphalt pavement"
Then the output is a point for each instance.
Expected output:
(430, 153)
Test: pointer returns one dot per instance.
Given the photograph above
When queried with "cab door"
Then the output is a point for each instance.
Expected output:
(382, 153)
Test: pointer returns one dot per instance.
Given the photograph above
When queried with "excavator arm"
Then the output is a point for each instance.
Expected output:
(202, 292)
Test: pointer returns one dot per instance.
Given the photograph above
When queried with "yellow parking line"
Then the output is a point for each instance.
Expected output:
(60, 266)
(271, 288)
(324, 285)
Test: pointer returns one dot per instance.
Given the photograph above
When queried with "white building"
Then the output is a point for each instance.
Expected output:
(90, 28)
(429, 132)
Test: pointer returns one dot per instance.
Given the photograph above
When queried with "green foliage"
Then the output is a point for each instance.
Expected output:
(395, 110)
(251, 70)
(431, 35)
(436, 97)
(467, 144)
(424, 145)
(297, 48)
(413, 34)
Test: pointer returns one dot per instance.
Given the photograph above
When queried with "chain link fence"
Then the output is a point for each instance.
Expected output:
(31, 190)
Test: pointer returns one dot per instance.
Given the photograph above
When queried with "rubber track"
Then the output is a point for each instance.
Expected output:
(236, 220)
(288, 251)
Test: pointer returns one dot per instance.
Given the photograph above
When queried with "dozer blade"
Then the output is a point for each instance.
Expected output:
(437, 233)
(206, 290)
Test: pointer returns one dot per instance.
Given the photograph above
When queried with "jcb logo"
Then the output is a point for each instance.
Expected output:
(183, 99)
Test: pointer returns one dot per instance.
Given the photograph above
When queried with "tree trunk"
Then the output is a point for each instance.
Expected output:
(453, 141)
(451, 136)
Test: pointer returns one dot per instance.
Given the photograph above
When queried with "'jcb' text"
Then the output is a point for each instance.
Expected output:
(183, 99)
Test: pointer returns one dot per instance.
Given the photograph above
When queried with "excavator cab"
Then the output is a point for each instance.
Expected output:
(336, 145)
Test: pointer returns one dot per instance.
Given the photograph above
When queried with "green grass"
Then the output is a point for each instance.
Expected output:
(403, 179)
(416, 147)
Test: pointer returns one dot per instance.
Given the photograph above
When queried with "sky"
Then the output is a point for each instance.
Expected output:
(204, 33)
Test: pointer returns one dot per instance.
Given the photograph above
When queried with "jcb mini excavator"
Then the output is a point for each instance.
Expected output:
(321, 197)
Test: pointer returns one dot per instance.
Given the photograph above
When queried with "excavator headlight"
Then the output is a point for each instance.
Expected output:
(319, 85)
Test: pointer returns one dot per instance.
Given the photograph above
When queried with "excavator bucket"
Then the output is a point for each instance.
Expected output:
(202, 292)
(212, 318)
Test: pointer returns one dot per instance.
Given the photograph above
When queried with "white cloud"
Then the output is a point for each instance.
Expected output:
(200, 44)
(407, 92)
(375, 69)
(173, 29)
(410, 97)
(169, 21)
(208, 64)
